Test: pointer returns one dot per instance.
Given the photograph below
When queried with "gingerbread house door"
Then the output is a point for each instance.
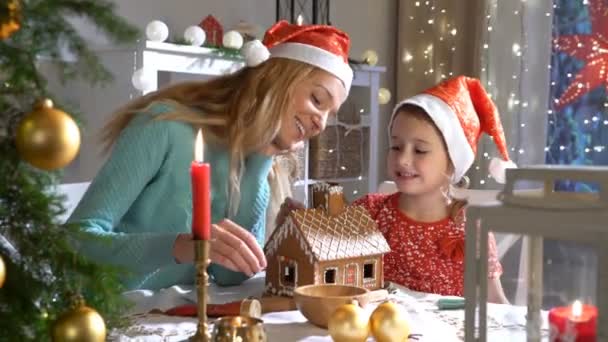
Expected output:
(350, 274)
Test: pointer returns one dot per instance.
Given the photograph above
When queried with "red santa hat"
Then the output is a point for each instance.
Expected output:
(323, 46)
(462, 110)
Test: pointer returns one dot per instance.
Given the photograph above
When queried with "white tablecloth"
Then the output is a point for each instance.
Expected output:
(505, 322)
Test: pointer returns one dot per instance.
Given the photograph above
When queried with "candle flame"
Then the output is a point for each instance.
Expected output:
(300, 19)
(577, 309)
(198, 147)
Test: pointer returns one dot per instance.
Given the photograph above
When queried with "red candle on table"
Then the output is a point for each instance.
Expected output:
(573, 323)
(200, 173)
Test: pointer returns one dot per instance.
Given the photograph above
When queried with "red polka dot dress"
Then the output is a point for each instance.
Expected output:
(425, 256)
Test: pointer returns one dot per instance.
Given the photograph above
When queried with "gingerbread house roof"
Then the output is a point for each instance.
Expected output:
(353, 233)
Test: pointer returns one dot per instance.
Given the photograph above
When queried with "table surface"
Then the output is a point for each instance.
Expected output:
(505, 322)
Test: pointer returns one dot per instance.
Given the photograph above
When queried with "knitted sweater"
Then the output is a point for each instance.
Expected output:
(141, 199)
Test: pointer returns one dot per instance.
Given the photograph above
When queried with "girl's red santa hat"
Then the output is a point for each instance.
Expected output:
(462, 110)
(323, 46)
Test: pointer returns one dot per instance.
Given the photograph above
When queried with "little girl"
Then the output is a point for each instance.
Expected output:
(433, 140)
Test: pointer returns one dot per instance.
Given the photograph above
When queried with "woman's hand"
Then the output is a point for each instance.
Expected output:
(231, 246)
(288, 205)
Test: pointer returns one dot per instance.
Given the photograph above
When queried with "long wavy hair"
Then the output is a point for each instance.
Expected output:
(242, 111)
(456, 205)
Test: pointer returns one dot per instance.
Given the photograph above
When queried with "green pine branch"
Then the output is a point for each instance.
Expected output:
(44, 269)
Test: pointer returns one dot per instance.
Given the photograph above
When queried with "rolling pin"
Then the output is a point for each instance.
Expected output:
(255, 307)
(246, 307)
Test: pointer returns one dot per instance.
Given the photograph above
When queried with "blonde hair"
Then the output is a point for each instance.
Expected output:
(456, 205)
(241, 111)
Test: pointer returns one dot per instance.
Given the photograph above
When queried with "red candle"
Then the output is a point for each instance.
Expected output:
(573, 323)
(201, 202)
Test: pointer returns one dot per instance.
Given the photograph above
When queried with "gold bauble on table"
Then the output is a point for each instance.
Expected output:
(348, 324)
(2, 272)
(389, 324)
(10, 18)
(47, 138)
(79, 324)
(370, 57)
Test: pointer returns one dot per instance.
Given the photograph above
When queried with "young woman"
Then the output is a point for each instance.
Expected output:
(141, 199)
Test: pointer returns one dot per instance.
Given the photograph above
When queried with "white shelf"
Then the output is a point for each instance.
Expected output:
(166, 57)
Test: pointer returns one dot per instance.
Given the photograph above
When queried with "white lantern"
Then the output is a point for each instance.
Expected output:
(157, 31)
(232, 40)
(561, 290)
(143, 80)
(195, 35)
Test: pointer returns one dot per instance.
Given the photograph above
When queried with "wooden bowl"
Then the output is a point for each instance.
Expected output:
(318, 302)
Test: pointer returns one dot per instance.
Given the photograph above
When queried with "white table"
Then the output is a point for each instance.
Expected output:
(506, 322)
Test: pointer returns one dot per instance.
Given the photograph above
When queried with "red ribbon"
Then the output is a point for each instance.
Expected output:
(452, 247)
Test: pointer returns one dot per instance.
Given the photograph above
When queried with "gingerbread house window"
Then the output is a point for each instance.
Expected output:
(289, 270)
(369, 271)
(330, 276)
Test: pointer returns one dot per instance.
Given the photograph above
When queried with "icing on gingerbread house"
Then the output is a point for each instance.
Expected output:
(332, 243)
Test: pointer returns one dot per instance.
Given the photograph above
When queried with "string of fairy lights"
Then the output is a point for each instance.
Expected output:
(437, 46)
(597, 119)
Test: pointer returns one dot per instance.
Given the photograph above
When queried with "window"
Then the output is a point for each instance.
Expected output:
(369, 271)
(330, 276)
(289, 275)
(289, 272)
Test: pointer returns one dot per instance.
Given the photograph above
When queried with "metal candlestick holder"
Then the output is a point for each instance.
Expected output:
(201, 255)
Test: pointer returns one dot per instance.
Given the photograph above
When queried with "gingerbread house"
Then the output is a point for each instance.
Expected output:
(331, 243)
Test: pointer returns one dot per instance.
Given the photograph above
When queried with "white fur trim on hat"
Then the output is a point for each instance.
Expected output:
(316, 56)
(498, 169)
(255, 53)
(447, 122)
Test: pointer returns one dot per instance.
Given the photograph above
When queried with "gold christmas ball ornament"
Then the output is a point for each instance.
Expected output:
(348, 324)
(384, 95)
(79, 324)
(370, 57)
(2, 272)
(47, 138)
(388, 323)
(10, 18)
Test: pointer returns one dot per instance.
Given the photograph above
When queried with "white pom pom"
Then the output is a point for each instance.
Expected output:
(195, 35)
(142, 80)
(255, 53)
(232, 40)
(157, 31)
(498, 167)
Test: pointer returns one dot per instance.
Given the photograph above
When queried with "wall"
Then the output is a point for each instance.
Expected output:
(371, 25)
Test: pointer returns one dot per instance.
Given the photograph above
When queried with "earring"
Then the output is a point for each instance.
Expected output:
(447, 194)
(464, 183)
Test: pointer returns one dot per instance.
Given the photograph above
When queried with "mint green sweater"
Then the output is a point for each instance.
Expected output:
(141, 199)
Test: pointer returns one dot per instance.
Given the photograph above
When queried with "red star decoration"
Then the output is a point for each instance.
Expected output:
(590, 48)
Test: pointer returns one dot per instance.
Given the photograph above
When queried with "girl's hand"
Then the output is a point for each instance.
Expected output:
(231, 246)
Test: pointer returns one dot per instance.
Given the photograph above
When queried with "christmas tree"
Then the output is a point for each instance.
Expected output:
(42, 275)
